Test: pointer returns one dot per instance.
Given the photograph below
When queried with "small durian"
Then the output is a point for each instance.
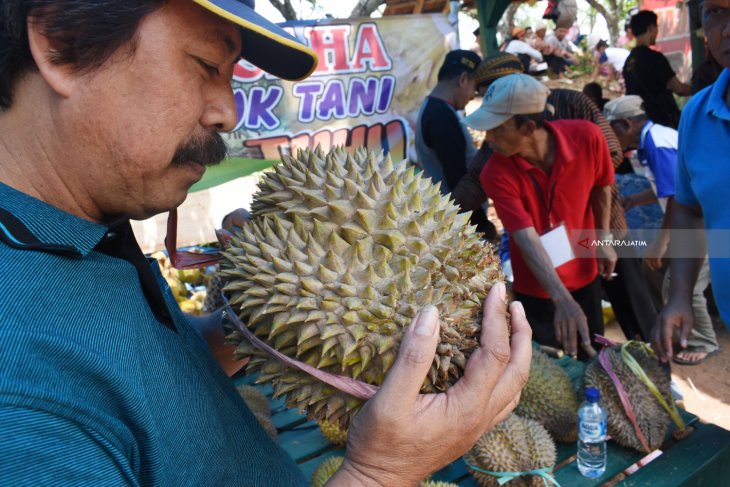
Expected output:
(549, 398)
(652, 418)
(342, 252)
(256, 401)
(514, 445)
(266, 422)
(333, 432)
(326, 470)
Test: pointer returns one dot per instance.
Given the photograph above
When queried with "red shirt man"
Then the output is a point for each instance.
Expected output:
(548, 177)
(582, 161)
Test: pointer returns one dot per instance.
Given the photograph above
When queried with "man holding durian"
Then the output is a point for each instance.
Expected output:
(110, 110)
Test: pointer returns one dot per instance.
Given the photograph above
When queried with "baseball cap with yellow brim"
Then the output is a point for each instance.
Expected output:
(514, 94)
(265, 44)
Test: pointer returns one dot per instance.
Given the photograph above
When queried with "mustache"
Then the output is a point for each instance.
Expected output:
(209, 149)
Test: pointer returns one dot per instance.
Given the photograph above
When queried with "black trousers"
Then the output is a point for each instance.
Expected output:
(541, 313)
(556, 64)
(634, 304)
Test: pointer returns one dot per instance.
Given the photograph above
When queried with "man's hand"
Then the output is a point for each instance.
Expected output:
(570, 321)
(234, 221)
(654, 253)
(606, 258)
(401, 436)
(675, 317)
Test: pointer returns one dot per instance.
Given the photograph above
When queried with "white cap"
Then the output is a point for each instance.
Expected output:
(627, 106)
(515, 94)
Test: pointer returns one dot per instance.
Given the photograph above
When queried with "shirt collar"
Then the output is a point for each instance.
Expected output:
(644, 131)
(564, 152)
(53, 228)
(716, 104)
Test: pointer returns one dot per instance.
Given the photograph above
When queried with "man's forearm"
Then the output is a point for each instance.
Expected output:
(685, 270)
(601, 206)
(539, 263)
(664, 231)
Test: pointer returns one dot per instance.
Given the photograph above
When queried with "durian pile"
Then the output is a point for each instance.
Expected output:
(652, 418)
(514, 445)
(342, 252)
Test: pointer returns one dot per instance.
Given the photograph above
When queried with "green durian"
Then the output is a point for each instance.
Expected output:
(333, 432)
(549, 398)
(652, 418)
(342, 252)
(325, 470)
(514, 445)
(268, 424)
(256, 401)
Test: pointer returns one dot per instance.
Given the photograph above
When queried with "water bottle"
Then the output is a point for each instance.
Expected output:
(592, 435)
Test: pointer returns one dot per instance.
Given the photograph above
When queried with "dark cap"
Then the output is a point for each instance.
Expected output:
(497, 65)
(460, 60)
(265, 44)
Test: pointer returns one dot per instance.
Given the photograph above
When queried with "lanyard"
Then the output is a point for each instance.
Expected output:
(548, 202)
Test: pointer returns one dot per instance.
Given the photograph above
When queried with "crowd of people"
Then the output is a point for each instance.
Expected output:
(547, 164)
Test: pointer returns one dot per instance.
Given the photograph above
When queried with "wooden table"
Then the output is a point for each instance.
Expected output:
(700, 459)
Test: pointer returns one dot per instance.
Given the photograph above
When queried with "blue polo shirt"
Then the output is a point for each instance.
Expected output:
(658, 151)
(102, 379)
(703, 172)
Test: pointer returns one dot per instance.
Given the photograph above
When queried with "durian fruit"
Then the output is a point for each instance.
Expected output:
(652, 418)
(514, 445)
(256, 401)
(549, 398)
(333, 432)
(325, 470)
(340, 255)
(267, 423)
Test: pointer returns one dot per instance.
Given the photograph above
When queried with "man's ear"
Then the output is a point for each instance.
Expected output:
(60, 77)
(528, 128)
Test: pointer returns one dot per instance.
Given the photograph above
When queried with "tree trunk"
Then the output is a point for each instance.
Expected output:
(612, 15)
(509, 20)
(365, 7)
(285, 8)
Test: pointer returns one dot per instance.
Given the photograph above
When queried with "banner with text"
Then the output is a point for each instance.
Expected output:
(372, 76)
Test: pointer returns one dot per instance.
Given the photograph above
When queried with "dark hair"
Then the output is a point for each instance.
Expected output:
(538, 118)
(594, 91)
(642, 20)
(84, 34)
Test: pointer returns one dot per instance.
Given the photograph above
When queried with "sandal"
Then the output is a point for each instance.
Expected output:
(678, 360)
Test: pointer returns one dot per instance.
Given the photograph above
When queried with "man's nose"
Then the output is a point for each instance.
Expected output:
(220, 112)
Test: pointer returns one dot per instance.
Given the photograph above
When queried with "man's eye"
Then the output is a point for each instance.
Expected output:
(209, 68)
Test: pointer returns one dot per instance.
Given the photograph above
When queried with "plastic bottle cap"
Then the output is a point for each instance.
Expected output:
(592, 394)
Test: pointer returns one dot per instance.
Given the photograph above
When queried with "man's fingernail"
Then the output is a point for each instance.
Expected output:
(426, 321)
(501, 290)
(519, 308)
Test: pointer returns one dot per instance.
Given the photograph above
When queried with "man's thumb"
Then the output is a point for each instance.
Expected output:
(415, 356)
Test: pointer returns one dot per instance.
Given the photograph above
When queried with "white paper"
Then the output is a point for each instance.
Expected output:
(557, 245)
